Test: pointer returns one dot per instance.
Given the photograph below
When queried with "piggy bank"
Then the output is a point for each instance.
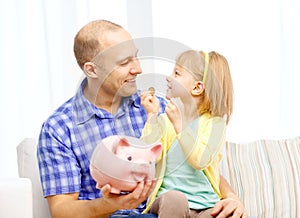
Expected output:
(122, 162)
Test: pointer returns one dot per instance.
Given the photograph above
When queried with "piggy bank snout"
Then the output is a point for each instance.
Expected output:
(141, 168)
(142, 171)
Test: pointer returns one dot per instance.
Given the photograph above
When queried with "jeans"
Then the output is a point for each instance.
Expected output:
(148, 215)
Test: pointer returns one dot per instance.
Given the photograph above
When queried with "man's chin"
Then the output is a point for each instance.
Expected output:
(128, 91)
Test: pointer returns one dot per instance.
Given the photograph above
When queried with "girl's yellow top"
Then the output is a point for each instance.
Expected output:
(203, 147)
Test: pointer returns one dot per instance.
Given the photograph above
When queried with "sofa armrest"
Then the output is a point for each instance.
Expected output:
(16, 198)
(28, 168)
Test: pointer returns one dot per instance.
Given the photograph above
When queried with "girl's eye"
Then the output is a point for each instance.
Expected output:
(129, 158)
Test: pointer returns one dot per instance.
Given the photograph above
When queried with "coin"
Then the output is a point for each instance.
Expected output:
(152, 90)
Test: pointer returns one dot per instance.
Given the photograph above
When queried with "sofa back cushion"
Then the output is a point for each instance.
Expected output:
(28, 168)
(266, 176)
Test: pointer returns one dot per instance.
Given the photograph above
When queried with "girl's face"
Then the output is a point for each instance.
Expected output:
(180, 83)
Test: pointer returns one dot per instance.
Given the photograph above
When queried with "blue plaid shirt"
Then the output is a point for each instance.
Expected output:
(69, 136)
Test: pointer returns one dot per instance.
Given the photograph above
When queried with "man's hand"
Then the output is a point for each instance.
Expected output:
(229, 207)
(131, 200)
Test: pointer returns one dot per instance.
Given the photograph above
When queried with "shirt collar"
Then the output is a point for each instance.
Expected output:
(133, 99)
(84, 110)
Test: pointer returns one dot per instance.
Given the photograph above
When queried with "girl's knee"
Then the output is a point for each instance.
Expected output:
(171, 204)
(175, 196)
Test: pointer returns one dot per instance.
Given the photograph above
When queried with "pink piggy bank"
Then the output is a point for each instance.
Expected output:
(123, 161)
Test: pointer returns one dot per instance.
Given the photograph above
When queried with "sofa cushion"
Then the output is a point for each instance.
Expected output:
(265, 175)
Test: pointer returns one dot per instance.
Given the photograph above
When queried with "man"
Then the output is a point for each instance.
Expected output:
(107, 103)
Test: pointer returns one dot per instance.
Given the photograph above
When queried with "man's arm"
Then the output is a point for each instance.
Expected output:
(68, 205)
(230, 205)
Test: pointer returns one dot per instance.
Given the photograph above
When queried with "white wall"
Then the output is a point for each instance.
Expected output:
(259, 39)
(249, 35)
(290, 68)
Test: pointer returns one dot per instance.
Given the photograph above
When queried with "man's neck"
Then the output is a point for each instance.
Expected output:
(102, 99)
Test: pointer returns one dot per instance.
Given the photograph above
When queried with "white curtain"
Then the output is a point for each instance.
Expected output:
(37, 65)
(38, 71)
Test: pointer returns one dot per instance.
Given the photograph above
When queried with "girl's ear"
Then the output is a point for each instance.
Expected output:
(198, 88)
(89, 69)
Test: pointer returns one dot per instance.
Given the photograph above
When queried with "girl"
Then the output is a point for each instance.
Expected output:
(192, 132)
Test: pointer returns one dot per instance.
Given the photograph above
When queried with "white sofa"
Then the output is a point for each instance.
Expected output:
(264, 173)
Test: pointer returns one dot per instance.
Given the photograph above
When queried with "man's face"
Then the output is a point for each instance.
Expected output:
(119, 64)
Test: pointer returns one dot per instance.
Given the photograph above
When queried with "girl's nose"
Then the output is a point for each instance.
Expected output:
(168, 78)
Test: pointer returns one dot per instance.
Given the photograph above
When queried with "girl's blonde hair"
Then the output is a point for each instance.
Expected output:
(217, 97)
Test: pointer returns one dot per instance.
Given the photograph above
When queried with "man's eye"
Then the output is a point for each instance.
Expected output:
(124, 62)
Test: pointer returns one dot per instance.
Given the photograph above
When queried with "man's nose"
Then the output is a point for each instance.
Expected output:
(135, 67)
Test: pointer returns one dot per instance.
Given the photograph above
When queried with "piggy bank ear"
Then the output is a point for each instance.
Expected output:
(156, 150)
(121, 144)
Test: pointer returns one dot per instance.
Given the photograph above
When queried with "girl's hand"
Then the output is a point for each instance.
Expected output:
(149, 101)
(229, 207)
(174, 111)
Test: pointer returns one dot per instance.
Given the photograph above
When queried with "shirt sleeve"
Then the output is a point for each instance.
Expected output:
(201, 145)
(59, 170)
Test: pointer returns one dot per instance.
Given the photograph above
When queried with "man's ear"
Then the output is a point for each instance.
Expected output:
(90, 70)
(198, 88)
